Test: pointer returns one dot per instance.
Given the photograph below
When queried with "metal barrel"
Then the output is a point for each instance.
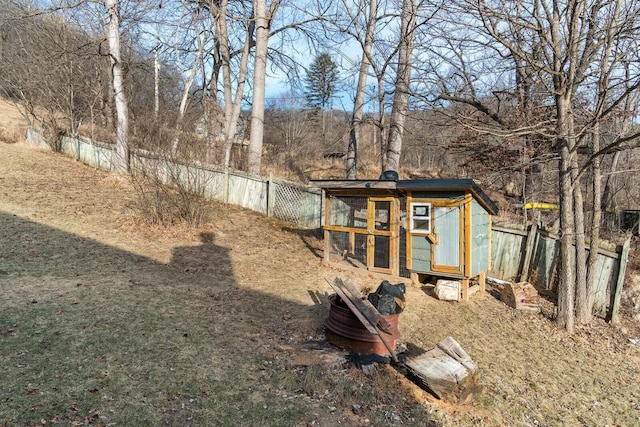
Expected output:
(345, 330)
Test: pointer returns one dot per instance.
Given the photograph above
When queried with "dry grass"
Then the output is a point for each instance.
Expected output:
(107, 321)
(12, 125)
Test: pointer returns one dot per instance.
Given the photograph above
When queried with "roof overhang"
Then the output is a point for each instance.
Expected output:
(448, 184)
(348, 184)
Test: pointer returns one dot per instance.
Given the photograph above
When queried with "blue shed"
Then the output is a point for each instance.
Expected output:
(410, 228)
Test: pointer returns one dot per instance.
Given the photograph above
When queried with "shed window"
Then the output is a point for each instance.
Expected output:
(421, 218)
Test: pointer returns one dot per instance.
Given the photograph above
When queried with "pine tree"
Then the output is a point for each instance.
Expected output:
(321, 81)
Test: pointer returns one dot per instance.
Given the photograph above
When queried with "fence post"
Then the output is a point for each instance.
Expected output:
(271, 194)
(528, 252)
(622, 270)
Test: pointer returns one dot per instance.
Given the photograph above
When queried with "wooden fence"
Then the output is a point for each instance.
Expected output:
(531, 254)
(298, 204)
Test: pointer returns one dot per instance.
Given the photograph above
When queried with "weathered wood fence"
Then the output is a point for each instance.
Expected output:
(531, 254)
(295, 203)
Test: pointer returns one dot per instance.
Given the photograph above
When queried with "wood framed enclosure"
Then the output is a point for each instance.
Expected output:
(409, 228)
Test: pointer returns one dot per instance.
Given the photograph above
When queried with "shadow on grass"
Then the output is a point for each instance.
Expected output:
(310, 238)
(90, 333)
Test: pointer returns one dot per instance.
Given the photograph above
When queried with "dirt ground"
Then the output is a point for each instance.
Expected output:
(84, 283)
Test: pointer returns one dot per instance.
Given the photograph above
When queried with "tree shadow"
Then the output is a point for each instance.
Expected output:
(311, 238)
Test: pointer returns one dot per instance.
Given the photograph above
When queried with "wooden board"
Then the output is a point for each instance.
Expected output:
(365, 322)
(364, 305)
(447, 371)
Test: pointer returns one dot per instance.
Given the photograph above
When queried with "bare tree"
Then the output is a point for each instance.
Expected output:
(563, 46)
(121, 163)
(355, 134)
(200, 38)
(391, 159)
(263, 18)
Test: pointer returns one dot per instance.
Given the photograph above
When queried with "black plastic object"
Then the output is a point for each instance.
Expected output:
(388, 299)
(392, 175)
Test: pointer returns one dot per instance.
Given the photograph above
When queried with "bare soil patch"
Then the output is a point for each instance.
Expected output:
(105, 321)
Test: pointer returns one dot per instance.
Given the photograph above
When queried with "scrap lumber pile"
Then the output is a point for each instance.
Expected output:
(521, 296)
(447, 371)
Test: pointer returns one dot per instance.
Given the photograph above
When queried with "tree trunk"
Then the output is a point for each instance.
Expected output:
(595, 225)
(121, 161)
(401, 96)
(254, 158)
(608, 203)
(583, 310)
(156, 84)
(358, 107)
(566, 285)
(232, 109)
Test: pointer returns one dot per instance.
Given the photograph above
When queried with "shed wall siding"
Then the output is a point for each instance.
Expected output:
(421, 254)
(480, 229)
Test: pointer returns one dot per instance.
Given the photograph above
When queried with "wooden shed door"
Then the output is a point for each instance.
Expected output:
(447, 250)
(381, 242)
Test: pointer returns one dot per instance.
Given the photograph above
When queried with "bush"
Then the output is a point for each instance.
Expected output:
(171, 191)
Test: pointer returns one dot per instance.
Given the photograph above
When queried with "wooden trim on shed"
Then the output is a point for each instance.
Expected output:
(327, 234)
(466, 223)
(490, 244)
(460, 269)
(409, 235)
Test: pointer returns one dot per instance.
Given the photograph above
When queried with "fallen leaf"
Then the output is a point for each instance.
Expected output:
(29, 389)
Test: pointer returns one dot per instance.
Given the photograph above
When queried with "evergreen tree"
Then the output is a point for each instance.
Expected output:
(321, 83)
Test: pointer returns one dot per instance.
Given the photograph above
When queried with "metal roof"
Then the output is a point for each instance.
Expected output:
(450, 184)
(447, 184)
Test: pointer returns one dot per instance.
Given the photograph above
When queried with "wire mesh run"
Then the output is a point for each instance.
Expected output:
(342, 251)
(348, 211)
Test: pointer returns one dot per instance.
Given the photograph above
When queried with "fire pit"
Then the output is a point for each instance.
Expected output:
(346, 331)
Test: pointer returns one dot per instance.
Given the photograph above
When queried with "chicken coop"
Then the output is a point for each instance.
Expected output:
(409, 228)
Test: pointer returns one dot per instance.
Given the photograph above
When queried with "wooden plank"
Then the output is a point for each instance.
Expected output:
(465, 245)
(603, 282)
(465, 290)
(327, 233)
(271, 194)
(490, 245)
(482, 281)
(528, 252)
(365, 322)
(624, 256)
(352, 242)
(473, 289)
(509, 230)
(354, 184)
(363, 304)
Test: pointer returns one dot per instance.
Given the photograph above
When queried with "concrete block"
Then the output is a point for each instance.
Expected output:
(448, 290)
